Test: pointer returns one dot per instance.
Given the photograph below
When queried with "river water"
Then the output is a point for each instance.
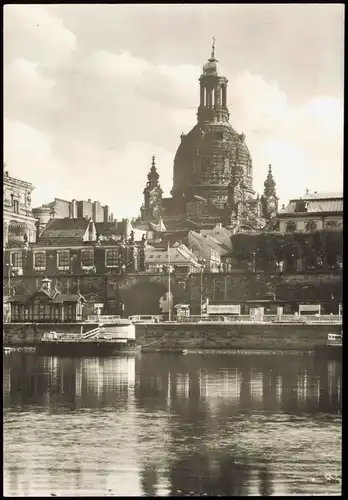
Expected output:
(171, 425)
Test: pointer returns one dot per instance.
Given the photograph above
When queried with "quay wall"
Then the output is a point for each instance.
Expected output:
(32, 332)
(178, 336)
(234, 336)
(140, 293)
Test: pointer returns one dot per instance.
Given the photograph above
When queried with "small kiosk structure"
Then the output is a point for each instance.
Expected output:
(182, 312)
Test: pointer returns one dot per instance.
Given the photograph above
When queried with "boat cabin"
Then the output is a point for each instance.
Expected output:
(46, 305)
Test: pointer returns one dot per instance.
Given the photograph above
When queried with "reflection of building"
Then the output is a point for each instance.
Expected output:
(313, 211)
(19, 223)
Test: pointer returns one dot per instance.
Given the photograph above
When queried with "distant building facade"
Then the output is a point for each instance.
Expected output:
(74, 246)
(312, 212)
(74, 209)
(18, 219)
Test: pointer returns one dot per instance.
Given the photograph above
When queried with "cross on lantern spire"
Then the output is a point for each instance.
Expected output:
(213, 49)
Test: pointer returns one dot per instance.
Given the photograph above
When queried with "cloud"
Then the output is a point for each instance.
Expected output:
(299, 140)
(91, 107)
(32, 33)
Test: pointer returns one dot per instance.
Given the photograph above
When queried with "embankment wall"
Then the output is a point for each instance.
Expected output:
(234, 336)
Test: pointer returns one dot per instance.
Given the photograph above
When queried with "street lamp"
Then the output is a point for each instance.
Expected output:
(170, 269)
(202, 262)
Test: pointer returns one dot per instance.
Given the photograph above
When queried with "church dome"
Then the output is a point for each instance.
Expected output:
(207, 159)
(212, 161)
(210, 68)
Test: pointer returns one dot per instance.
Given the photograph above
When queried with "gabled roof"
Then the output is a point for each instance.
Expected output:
(179, 254)
(57, 298)
(68, 297)
(204, 240)
(221, 234)
(108, 229)
(187, 224)
(159, 226)
(65, 228)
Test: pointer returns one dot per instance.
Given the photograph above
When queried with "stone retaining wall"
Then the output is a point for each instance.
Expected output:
(238, 336)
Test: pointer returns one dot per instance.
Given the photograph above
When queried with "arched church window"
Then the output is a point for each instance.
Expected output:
(291, 227)
(227, 165)
(311, 226)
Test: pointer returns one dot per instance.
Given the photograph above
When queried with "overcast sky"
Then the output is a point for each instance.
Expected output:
(93, 91)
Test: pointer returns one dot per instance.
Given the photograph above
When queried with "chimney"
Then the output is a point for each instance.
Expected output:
(89, 200)
(94, 211)
(106, 213)
(74, 209)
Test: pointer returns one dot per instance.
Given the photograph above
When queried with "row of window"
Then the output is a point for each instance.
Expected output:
(112, 258)
(43, 312)
(310, 226)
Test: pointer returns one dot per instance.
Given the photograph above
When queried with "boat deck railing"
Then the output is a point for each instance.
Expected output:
(102, 319)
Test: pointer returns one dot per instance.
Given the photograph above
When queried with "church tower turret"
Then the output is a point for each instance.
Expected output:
(213, 93)
(152, 195)
(269, 199)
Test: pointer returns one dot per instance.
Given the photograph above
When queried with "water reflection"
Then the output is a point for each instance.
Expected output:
(171, 425)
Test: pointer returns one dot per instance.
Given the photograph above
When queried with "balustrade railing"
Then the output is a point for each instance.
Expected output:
(246, 318)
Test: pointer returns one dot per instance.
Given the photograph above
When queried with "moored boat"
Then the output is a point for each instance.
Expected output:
(107, 339)
(333, 347)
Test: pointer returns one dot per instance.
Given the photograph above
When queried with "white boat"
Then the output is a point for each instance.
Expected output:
(117, 329)
(334, 340)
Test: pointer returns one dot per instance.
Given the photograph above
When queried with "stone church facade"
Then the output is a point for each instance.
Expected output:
(213, 170)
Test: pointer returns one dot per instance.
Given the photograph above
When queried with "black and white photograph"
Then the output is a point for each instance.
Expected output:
(172, 249)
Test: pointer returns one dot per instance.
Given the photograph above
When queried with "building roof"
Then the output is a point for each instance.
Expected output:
(159, 226)
(205, 240)
(221, 234)
(186, 224)
(64, 228)
(322, 195)
(58, 298)
(109, 229)
(179, 254)
(312, 206)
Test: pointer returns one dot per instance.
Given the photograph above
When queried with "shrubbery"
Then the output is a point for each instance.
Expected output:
(316, 249)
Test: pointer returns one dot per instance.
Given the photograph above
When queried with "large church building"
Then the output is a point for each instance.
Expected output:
(213, 170)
